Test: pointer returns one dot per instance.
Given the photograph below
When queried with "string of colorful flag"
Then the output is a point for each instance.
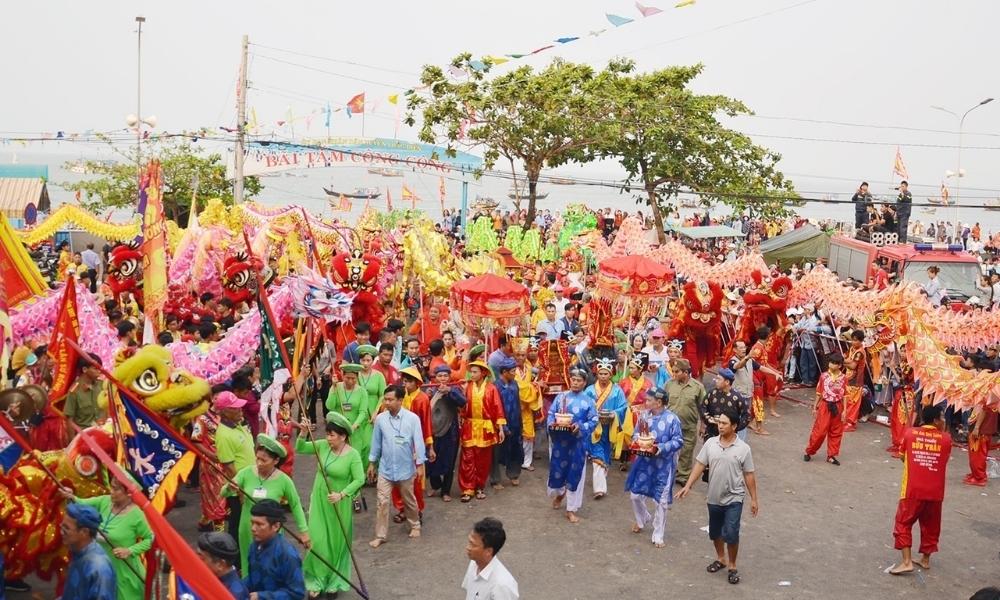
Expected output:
(358, 105)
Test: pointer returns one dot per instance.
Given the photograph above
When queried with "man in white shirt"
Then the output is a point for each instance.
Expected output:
(550, 326)
(487, 578)
(560, 301)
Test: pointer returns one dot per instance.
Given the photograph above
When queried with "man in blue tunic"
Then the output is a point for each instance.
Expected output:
(90, 575)
(275, 569)
(567, 467)
(509, 454)
(653, 476)
(220, 553)
(446, 402)
(605, 443)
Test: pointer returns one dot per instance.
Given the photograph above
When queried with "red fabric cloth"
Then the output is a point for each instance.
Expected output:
(853, 411)
(390, 373)
(900, 418)
(979, 451)
(50, 434)
(474, 471)
(926, 451)
(881, 280)
(928, 514)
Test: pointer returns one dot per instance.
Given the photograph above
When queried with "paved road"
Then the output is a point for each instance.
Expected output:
(823, 532)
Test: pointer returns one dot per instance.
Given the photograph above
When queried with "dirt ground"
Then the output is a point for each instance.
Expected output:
(822, 532)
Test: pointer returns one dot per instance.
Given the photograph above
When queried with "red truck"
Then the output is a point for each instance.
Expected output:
(960, 271)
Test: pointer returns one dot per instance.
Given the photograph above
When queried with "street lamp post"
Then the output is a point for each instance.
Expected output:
(958, 171)
(138, 102)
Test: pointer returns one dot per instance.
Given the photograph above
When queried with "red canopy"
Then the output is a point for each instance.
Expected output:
(635, 276)
(490, 296)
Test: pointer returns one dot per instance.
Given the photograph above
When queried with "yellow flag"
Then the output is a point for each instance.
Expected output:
(497, 60)
(393, 98)
(684, 3)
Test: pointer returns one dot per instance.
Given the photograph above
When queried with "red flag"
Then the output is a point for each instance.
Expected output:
(64, 355)
(181, 557)
(356, 104)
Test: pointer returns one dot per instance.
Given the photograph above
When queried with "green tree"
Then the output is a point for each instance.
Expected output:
(184, 165)
(670, 142)
(537, 119)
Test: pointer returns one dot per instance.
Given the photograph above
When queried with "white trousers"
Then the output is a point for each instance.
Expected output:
(529, 449)
(600, 479)
(659, 516)
(574, 499)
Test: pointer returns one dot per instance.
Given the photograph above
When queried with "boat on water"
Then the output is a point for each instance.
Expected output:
(689, 203)
(386, 172)
(795, 203)
(484, 203)
(521, 193)
(930, 210)
(992, 204)
(363, 193)
(561, 181)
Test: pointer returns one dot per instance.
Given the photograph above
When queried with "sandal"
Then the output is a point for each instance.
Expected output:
(833, 461)
(480, 495)
(466, 498)
(734, 576)
(715, 567)
(398, 518)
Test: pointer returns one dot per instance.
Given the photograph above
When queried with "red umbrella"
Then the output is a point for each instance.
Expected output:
(491, 297)
(635, 276)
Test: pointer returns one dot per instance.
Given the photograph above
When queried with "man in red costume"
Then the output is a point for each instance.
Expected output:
(417, 402)
(925, 459)
(699, 324)
(983, 425)
(856, 363)
(767, 353)
(482, 428)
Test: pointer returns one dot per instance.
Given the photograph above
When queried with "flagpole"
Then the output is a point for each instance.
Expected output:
(320, 468)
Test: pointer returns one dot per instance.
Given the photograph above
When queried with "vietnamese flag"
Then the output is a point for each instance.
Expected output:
(64, 355)
(356, 104)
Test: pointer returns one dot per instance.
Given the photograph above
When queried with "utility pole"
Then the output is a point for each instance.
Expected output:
(241, 129)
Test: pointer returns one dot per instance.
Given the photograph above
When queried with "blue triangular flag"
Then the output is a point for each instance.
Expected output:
(616, 20)
(566, 40)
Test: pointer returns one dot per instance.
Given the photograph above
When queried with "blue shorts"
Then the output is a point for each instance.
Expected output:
(724, 522)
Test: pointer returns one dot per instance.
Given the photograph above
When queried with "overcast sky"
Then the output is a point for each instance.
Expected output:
(71, 66)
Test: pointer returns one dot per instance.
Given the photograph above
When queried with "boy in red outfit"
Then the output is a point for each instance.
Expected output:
(829, 411)
(925, 459)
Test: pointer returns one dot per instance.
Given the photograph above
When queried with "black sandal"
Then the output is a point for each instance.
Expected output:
(466, 498)
(715, 567)
(734, 576)
(833, 461)
(806, 457)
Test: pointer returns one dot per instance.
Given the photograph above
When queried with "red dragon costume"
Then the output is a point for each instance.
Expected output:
(238, 281)
(698, 322)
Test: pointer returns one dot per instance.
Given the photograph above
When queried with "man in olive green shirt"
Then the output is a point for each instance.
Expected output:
(686, 395)
(234, 448)
(81, 402)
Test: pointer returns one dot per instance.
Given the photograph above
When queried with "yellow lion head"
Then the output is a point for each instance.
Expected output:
(175, 394)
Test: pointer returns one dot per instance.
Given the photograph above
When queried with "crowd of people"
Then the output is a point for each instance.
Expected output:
(416, 408)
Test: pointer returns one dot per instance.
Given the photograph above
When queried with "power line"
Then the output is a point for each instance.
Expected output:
(393, 86)
(864, 125)
(335, 60)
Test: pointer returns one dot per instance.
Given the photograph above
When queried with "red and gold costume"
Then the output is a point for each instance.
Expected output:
(239, 281)
(765, 304)
(926, 450)
(418, 403)
(698, 322)
(855, 385)
(358, 272)
(482, 419)
(531, 399)
(982, 424)
(901, 413)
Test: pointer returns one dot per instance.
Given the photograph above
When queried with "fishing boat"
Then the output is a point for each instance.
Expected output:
(521, 193)
(689, 203)
(930, 210)
(992, 204)
(484, 203)
(561, 181)
(363, 193)
(386, 172)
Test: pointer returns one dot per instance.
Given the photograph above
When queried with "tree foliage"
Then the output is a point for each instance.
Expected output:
(115, 185)
(538, 119)
(670, 141)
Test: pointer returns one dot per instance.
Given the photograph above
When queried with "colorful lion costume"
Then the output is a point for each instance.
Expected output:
(125, 270)
(698, 323)
(31, 508)
(765, 304)
(239, 281)
(358, 272)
